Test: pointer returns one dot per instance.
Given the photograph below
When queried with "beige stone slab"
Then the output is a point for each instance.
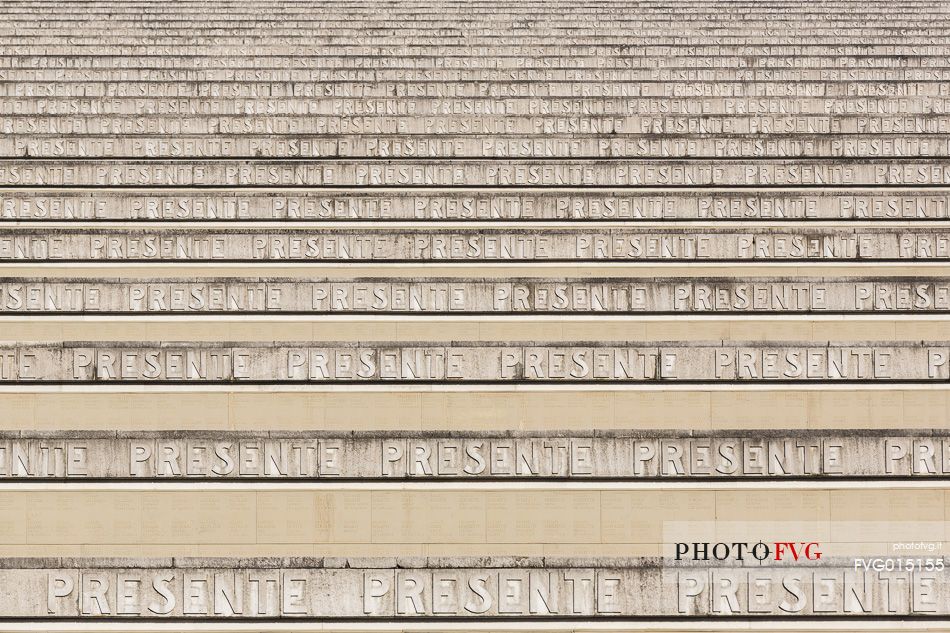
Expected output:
(506, 549)
(393, 522)
(803, 627)
(869, 550)
(316, 330)
(548, 516)
(693, 408)
(443, 517)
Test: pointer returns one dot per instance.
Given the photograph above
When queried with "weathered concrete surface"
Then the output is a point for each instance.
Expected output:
(474, 205)
(202, 455)
(789, 132)
(478, 245)
(499, 172)
(431, 296)
(471, 588)
(538, 146)
(381, 362)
